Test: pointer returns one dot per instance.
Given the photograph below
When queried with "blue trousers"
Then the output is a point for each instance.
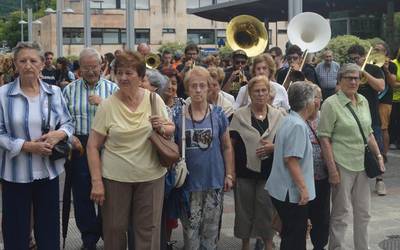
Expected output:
(87, 220)
(18, 199)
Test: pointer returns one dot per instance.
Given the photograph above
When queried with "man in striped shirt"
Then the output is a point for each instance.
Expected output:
(327, 74)
(83, 97)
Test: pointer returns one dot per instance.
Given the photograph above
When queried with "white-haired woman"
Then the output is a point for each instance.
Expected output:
(291, 183)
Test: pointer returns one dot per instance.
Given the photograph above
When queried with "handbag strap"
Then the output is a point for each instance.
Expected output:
(358, 122)
(183, 143)
(46, 127)
(153, 100)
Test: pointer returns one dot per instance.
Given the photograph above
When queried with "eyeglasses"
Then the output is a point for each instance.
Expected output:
(294, 58)
(241, 62)
(351, 78)
(90, 68)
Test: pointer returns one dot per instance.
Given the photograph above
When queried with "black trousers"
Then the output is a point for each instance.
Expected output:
(294, 224)
(319, 214)
(394, 126)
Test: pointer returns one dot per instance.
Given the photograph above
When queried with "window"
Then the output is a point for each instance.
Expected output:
(141, 36)
(221, 37)
(140, 4)
(111, 36)
(97, 36)
(201, 36)
(192, 4)
(105, 4)
(269, 37)
(168, 30)
(223, 1)
(73, 36)
(205, 3)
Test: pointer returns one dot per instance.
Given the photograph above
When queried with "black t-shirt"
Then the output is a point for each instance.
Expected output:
(228, 73)
(386, 96)
(308, 71)
(240, 154)
(49, 76)
(371, 94)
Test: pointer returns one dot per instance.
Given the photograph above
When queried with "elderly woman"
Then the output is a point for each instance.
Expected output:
(343, 150)
(253, 130)
(291, 183)
(264, 65)
(319, 208)
(128, 180)
(28, 175)
(215, 95)
(209, 160)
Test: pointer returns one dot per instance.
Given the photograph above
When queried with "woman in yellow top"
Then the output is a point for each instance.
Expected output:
(128, 180)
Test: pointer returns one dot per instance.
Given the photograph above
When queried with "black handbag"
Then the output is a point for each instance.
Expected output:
(62, 149)
(371, 164)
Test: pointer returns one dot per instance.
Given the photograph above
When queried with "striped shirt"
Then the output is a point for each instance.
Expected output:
(15, 126)
(77, 97)
(327, 76)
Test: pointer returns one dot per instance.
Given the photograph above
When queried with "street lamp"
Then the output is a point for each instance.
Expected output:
(22, 22)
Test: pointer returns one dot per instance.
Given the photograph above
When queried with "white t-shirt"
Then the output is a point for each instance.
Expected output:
(35, 132)
(280, 101)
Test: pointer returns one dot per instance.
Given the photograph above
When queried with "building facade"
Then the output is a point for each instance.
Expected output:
(156, 22)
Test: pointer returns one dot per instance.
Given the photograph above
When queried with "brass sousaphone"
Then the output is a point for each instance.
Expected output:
(248, 34)
(152, 61)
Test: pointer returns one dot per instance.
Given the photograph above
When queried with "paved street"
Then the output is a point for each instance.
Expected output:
(385, 220)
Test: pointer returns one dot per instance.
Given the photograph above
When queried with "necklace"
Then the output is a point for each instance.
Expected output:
(260, 117)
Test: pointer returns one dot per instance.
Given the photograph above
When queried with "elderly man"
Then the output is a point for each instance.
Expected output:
(327, 74)
(144, 49)
(83, 97)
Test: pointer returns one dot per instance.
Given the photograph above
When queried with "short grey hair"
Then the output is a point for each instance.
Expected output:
(28, 45)
(300, 94)
(156, 79)
(347, 68)
(89, 52)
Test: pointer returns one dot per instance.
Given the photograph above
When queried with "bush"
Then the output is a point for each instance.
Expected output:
(340, 44)
(173, 47)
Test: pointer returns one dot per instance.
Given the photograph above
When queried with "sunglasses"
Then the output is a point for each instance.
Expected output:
(240, 62)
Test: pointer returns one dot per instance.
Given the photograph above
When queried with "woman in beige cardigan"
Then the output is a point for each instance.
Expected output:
(253, 129)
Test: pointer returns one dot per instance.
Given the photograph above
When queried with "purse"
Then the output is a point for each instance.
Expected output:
(167, 150)
(181, 170)
(62, 149)
(371, 164)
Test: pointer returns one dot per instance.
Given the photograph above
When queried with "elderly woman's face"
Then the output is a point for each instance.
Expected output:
(349, 83)
(127, 77)
(259, 93)
(261, 69)
(214, 87)
(317, 104)
(28, 63)
(198, 88)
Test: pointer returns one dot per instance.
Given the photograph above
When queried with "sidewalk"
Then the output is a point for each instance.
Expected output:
(385, 221)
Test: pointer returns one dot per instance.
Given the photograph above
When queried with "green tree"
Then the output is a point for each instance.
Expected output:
(340, 44)
(173, 47)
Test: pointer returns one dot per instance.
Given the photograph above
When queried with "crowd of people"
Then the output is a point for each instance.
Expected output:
(281, 136)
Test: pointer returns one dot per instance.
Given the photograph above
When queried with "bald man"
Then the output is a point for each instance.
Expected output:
(144, 49)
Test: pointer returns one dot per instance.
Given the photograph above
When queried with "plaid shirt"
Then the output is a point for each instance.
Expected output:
(327, 76)
(15, 164)
(77, 97)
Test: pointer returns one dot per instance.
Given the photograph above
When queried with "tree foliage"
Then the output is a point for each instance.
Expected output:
(340, 44)
(174, 47)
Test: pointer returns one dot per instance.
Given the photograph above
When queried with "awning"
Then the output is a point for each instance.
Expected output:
(276, 10)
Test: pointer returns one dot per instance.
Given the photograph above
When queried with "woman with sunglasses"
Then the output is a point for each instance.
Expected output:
(209, 160)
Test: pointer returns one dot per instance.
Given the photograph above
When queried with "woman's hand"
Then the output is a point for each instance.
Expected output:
(38, 148)
(304, 197)
(53, 137)
(97, 194)
(381, 164)
(267, 148)
(334, 177)
(157, 122)
(228, 183)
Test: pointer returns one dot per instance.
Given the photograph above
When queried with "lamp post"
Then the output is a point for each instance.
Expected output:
(87, 29)
(130, 24)
(22, 22)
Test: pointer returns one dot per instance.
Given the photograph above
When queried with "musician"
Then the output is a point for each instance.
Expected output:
(191, 54)
(294, 59)
(394, 116)
(231, 83)
(369, 87)
(277, 55)
(386, 96)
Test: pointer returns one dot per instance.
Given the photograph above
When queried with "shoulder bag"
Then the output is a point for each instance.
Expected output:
(62, 149)
(180, 168)
(371, 164)
(167, 150)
